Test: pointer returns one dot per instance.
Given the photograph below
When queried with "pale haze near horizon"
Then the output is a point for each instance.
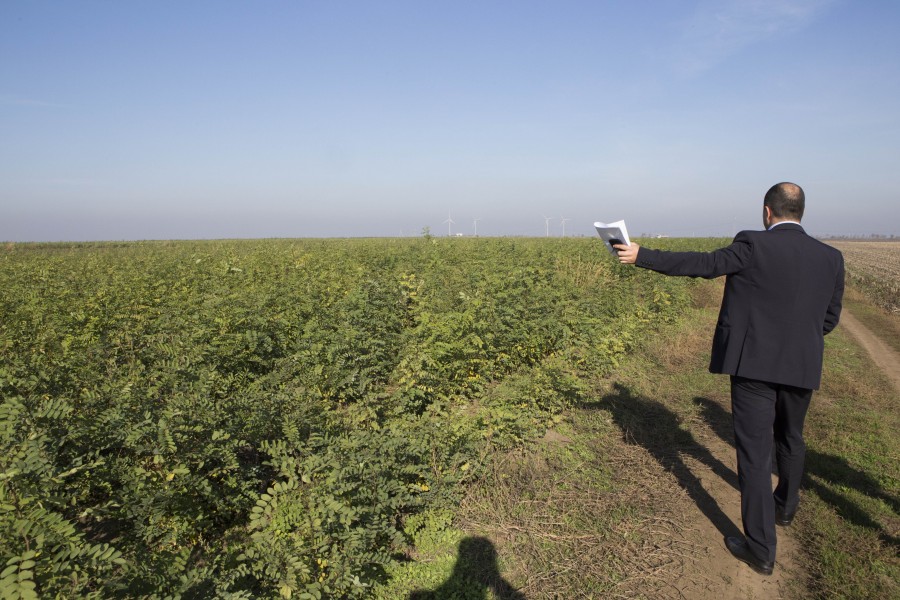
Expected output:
(143, 120)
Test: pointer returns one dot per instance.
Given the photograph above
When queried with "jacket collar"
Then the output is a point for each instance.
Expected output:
(787, 227)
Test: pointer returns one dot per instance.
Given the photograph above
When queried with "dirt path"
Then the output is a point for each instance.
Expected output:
(881, 354)
(712, 573)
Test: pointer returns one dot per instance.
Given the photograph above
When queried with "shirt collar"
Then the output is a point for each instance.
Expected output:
(774, 225)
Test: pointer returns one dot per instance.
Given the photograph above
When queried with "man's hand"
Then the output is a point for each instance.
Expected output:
(627, 254)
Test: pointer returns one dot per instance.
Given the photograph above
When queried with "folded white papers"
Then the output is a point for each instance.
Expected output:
(613, 233)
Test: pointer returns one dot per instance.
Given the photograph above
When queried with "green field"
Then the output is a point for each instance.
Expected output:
(280, 418)
(349, 418)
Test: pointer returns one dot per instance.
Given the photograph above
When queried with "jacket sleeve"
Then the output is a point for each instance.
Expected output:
(709, 265)
(833, 314)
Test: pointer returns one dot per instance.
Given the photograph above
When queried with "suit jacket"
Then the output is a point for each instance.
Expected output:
(783, 293)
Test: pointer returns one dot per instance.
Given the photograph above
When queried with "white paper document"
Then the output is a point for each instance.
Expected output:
(613, 233)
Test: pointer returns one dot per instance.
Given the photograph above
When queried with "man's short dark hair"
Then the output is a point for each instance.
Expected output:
(786, 200)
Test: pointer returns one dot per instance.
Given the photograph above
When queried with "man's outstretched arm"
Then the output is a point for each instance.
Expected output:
(723, 261)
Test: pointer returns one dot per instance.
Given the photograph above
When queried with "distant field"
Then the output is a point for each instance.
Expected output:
(874, 269)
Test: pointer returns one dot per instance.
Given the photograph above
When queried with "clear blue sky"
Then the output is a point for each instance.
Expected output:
(156, 120)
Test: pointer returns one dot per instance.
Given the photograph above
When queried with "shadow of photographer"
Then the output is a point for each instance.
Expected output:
(657, 429)
(825, 473)
(474, 573)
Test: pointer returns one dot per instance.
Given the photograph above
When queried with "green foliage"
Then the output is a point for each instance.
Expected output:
(267, 418)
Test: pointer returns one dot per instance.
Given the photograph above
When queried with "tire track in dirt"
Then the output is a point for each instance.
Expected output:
(882, 355)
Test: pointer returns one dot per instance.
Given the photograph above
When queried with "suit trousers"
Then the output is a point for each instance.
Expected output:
(765, 412)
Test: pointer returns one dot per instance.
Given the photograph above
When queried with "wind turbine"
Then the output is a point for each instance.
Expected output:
(547, 226)
(564, 219)
(475, 222)
(450, 222)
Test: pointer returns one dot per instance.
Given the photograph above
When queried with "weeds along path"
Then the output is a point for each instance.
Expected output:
(634, 494)
(882, 355)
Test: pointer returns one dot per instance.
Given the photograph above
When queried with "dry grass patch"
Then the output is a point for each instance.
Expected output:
(584, 519)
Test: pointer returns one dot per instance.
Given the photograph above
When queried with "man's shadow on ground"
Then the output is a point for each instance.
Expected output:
(820, 467)
(657, 429)
(474, 573)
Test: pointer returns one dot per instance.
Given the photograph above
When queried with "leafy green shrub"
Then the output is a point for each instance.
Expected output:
(267, 418)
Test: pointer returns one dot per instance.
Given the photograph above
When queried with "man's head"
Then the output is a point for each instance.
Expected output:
(784, 202)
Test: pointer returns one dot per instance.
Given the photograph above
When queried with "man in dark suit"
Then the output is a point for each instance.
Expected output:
(783, 293)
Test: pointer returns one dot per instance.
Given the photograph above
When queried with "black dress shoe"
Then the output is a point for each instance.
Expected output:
(739, 549)
(782, 518)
